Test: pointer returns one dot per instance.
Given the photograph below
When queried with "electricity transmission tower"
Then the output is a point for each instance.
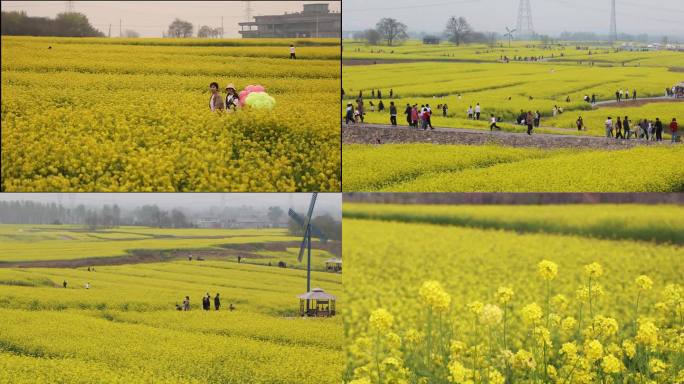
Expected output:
(524, 26)
(613, 23)
(69, 7)
(248, 11)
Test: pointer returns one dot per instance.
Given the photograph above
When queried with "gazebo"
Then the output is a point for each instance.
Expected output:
(334, 264)
(320, 304)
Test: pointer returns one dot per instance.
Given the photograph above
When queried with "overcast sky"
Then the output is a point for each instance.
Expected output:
(326, 202)
(150, 18)
(549, 16)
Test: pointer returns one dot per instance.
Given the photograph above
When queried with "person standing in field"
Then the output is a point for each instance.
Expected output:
(529, 120)
(232, 99)
(580, 123)
(292, 52)
(618, 129)
(217, 302)
(381, 106)
(87, 285)
(627, 94)
(215, 101)
(651, 131)
(658, 129)
(537, 118)
(407, 112)
(493, 123)
(444, 110)
(391, 92)
(64, 283)
(477, 111)
(593, 98)
(186, 303)
(429, 115)
(625, 125)
(609, 127)
(617, 96)
(643, 124)
(470, 112)
(393, 114)
(673, 128)
(634, 94)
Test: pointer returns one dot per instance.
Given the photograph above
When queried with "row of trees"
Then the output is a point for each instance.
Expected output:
(64, 25)
(330, 227)
(457, 31)
(184, 29)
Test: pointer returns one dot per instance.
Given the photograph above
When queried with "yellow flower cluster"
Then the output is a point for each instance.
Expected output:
(523, 321)
(434, 297)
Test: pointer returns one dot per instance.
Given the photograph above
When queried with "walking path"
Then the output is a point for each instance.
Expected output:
(387, 134)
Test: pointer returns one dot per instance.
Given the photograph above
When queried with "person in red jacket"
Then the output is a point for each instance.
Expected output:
(673, 129)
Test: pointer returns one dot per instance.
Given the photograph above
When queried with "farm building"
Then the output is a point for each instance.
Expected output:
(316, 20)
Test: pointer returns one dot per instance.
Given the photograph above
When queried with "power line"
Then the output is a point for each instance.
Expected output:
(346, 10)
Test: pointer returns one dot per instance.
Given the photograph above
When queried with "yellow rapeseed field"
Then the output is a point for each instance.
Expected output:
(91, 115)
(486, 305)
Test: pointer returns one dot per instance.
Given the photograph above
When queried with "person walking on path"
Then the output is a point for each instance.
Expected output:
(407, 112)
(217, 302)
(618, 129)
(350, 114)
(625, 125)
(477, 111)
(673, 128)
(393, 113)
(414, 116)
(493, 125)
(429, 115)
(186, 303)
(359, 108)
(617, 96)
(529, 120)
(609, 127)
(658, 129)
(292, 52)
(580, 123)
(634, 94)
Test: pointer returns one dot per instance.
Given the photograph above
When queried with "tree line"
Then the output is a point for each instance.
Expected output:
(72, 24)
(457, 31)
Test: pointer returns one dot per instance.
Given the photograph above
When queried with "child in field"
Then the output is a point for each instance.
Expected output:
(292, 52)
(186, 303)
(493, 123)
(215, 102)
(232, 99)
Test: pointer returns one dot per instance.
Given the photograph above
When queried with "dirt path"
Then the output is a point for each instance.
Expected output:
(386, 134)
(636, 103)
(246, 251)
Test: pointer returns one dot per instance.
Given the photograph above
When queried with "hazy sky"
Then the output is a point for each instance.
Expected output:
(549, 16)
(150, 18)
(328, 202)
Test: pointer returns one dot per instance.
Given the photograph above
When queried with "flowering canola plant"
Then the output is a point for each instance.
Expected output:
(88, 115)
(474, 305)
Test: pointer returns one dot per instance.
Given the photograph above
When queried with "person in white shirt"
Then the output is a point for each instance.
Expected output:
(87, 286)
(493, 124)
(477, 111)
(292, 52)
(609, 127)
(470, 112)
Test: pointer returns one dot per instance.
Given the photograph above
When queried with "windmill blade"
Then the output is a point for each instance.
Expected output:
(314, 230)
(513, 30)
(307, 221)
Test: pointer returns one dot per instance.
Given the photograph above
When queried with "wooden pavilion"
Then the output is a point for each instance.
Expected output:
(317, 303)
(334, 265)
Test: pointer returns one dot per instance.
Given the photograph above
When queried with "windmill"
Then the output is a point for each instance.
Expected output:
(309, 229)
(509, 33)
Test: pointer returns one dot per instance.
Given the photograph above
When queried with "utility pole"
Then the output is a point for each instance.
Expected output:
(110, 31)
(222, 27)
(120, 34)
(613, 23)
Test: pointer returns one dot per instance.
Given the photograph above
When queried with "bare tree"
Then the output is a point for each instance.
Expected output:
(204, 32)
(391, 30)
(130, 33)
(180, 28)
(458, 29)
